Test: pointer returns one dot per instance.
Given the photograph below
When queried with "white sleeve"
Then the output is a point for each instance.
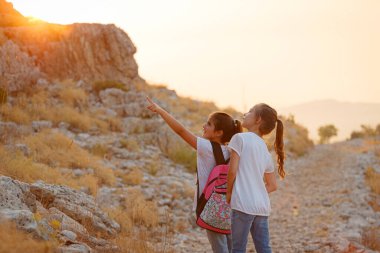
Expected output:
(270, 166)
(236, 144)
(203, 147)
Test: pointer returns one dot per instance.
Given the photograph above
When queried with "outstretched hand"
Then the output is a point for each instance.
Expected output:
(152, 105)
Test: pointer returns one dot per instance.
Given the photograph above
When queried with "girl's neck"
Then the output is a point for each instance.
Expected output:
(255, 130)
(218, 140)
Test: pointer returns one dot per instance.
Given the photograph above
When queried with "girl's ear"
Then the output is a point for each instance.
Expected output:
(258, 119)
(219, 133)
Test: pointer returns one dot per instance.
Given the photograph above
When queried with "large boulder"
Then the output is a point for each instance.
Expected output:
(78, 206)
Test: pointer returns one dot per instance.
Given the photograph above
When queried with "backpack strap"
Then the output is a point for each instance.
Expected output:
(218, 153)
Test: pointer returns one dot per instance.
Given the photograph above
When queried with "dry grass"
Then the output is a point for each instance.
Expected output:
(371, 238)
(140, 231)
(100, 150)
(130, 144)
(14, 240)
(63, 105)
(56, 150)
(19, 167)
(142, 212)
(135, 211)
(15, 114)
(73, 97)
(373, 180)
(184, 155)
(15, 165)
(134, 177)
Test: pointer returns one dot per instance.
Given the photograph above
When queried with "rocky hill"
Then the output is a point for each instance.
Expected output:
(85, 166)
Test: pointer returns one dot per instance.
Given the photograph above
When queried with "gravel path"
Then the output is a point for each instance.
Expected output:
(321, 206)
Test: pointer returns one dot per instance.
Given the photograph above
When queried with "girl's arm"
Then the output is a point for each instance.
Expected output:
(270, 182)
(177, 127)
(234, 165)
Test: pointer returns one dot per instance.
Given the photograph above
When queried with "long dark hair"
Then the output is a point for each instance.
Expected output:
(269, 120)
(223, 121)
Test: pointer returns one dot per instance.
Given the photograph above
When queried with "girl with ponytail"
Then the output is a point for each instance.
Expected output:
(251, 178)
(219, 128)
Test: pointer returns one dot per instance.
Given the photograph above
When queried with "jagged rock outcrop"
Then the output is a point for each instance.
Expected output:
(51, 210)
(89, 52)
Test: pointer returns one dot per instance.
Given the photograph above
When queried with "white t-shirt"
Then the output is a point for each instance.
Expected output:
(249, 194)
(205, 163)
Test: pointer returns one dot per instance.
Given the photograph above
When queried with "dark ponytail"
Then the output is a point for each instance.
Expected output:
(238, 126)
(227, 124)
(279, 148)
(269, 119)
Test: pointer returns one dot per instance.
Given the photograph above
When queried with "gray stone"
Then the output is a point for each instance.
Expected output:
(69, 234)
(37, 126)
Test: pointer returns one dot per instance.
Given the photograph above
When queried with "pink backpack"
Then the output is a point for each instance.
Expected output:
(213, 212)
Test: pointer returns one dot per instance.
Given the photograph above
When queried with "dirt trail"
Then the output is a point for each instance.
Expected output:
(321, 206)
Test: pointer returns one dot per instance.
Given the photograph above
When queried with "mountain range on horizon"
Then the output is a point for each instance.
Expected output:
(345, 116)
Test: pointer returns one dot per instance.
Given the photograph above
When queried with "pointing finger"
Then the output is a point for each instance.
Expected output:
(149, 100)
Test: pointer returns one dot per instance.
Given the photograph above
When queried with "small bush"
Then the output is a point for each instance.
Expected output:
(102, 85)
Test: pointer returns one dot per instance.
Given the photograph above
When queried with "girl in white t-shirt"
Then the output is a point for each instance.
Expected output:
(251, 177)
(219, 128)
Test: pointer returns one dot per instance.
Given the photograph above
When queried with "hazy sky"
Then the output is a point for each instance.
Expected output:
(240, 52)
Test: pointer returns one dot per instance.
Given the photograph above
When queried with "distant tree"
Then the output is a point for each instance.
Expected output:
(326, 132)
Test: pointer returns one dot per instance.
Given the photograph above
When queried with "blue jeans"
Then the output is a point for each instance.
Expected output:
(242, 224)
(220, 243)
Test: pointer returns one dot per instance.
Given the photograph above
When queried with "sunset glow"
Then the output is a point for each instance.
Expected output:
(237, 53)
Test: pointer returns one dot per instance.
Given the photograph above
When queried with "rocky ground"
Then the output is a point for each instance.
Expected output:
(321, 206)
